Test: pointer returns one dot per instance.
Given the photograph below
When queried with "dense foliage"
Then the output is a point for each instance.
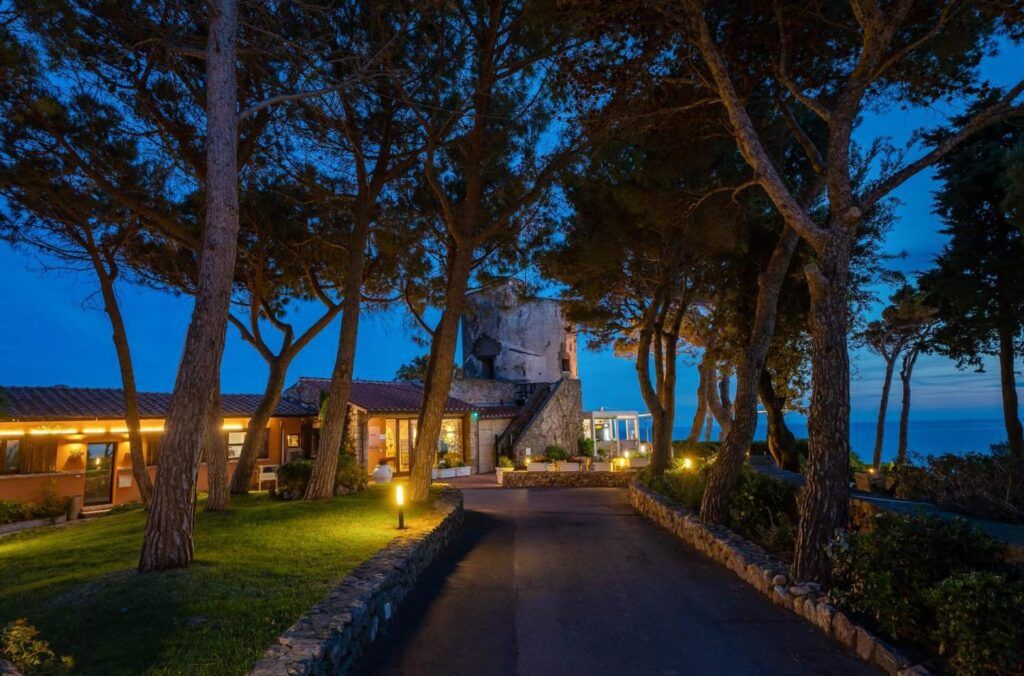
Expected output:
(350, 476)
(761, 508)
(12, 511)
(975, 484)
(931, 582)
(20, 643)
(292, 478)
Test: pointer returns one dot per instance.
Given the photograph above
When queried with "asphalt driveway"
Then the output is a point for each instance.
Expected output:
(573, 581)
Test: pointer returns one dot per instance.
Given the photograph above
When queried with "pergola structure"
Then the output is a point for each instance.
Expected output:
(613, 431)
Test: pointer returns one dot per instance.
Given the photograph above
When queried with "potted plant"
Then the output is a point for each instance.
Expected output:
(382, 473)
(601, 463)
(538, 464)
(556, 455)
(505, 464)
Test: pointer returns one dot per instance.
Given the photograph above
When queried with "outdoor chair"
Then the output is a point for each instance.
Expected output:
(266, 473)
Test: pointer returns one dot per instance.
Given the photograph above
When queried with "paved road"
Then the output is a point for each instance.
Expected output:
(573, 581)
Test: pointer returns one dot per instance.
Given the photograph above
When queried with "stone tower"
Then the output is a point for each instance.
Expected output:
(509, 336)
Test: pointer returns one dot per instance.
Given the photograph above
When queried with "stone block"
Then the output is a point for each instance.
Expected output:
(865, 646)
(843, 630)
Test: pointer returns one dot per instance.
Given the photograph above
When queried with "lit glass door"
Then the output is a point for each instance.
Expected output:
(99, 469)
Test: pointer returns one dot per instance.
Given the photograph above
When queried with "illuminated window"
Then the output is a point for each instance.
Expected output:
(10, 453)
(235, 441)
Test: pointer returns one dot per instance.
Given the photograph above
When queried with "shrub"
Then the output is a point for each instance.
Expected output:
(986, 486)
(700, 449)
(764, 509)
(585, 447)
(978, 622)
(887, 573)
(350, 476)
(292, 479)
(505, 462)
(684, 486)
(556, 454)
(12, 511)
(20, 643)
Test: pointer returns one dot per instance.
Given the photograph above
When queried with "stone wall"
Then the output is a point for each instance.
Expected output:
(510, 336)
(522, 479)
(333, 634)
(559, 423)
(769, 576)
(483, 392)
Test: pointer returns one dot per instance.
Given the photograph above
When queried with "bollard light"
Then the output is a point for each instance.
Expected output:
(687, 463)
(400, 501)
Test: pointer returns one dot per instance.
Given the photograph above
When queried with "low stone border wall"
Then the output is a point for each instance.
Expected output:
(567, 479)
(333, 634)
(768, 575)
(34, 523)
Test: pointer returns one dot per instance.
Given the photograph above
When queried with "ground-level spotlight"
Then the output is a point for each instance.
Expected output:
(687, 463)
(400, 501)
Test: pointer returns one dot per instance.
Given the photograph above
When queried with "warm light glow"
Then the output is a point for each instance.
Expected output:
(119, 430)
(626, 455)
(94, 430)
(687, 463)
(232, 427)
(399, 496)
(159, 428)
(68, 430)
(643, 447)
(871, 470)
(12, 433)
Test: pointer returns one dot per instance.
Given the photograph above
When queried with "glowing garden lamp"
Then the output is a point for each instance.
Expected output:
(400, 501)
(687, 463)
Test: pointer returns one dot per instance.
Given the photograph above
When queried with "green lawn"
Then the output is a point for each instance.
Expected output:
(258, 568)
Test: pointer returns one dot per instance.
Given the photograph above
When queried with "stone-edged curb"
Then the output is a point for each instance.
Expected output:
(333, 634)
(522, 479)
(752, 564)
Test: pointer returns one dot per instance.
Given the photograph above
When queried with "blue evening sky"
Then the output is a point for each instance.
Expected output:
(56, 333)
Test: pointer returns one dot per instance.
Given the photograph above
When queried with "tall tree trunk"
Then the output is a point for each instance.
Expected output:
(216, 447)
(908, 369)
(1007, 381)
(725, 471)
(128, 386)
(255, 443)
(659, 397)
(168, 539)
(781, 442)
(321, 483)
(824, 501)
(709, 423)
(702, 409)
(883, 406)
(438, 379)
(718, 411)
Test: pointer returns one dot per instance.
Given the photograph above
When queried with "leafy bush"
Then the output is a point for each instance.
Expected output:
(978, 622)
(585, 447)
(684, 486)
(292, 478)
(12, 511)
(556, 454)
(505, 462)
(20, 643)
(888, 573)
(765, 510)
(700, 449)
(350, 476)
(986, 486)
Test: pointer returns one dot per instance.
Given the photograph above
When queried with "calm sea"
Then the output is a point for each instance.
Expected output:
(926, 437)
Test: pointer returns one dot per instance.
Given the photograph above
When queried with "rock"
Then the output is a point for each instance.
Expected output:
(889, 659)
(916, 670)
(8, 668)
(843, 630)
(823, 616)
(800, 590)
(779, 580)
(865, 644)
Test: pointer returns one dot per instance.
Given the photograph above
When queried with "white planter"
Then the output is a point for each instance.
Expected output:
(568, 467)
(382, 474)
(537, 467)
(446, 473)
(499, 472)
(463, 471)
(601, 466)
(639, 462)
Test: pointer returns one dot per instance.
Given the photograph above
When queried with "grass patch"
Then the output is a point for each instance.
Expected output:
(258, 568)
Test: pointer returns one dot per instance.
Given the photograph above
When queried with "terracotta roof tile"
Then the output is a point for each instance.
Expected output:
(60, 402)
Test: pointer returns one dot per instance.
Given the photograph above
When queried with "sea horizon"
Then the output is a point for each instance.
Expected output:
(924, 437)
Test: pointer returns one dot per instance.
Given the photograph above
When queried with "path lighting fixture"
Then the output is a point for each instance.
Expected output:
(687, 463)
(400, 501)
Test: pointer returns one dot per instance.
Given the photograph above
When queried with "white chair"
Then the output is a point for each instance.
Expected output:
(264, 474)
